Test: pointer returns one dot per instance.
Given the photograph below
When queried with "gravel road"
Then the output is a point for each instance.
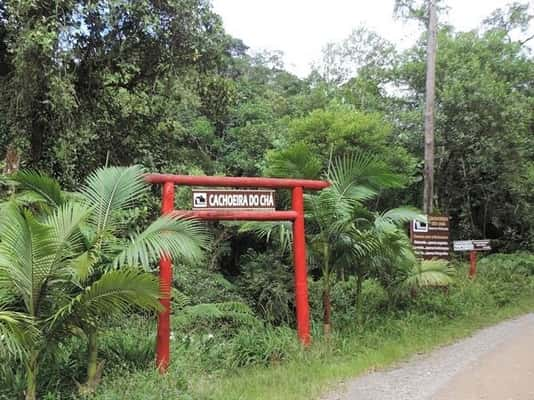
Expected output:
(496, 363)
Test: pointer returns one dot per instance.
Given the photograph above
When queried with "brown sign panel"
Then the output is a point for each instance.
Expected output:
(237, 199)
(481, 245)
(430, 239)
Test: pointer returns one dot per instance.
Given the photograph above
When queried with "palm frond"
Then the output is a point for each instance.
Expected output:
(17, 333)
(429, 273)
(115, 292)
(25, 246)
(364, 244)
(82, 267)
(178, 237)
(269, 231)
(391, 219)
(38, 187)
(179, 299)
(65, 223)
(110, 189)
(53, 244)
(297, 161)
(353, 173)
(45, 258)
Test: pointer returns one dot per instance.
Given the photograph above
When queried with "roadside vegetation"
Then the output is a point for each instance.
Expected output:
(95, 94)
(224, 351)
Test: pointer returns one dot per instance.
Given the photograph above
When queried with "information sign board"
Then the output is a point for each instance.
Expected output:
(463, 245)
(237, 199)
(430, 238)
(482, 245)
(472, 245)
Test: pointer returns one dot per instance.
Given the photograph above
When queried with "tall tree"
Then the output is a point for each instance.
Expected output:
(426, 11)
(428, 193)
(483, 131)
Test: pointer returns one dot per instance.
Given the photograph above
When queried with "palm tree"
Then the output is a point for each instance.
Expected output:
(395, 255)
(342, 233)
(65, 266)
(346, 235)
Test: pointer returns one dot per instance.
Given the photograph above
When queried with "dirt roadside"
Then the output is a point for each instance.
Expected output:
(506, 373)
(496, 363)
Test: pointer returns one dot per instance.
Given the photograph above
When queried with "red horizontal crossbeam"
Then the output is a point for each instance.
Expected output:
(230, 181)
(215, 215)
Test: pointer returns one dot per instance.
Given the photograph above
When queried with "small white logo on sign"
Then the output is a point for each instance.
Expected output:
(419, 226)
(200, 200)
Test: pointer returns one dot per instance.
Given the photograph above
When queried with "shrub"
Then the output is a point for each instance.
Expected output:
(130, 345)
(146, 385)
(226, 318)
(203, 286)
(266, 282)
(343, 299)
(507, 266)
(262, 346)
(506, 276)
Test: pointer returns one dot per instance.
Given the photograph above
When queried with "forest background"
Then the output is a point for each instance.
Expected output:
(87, 84)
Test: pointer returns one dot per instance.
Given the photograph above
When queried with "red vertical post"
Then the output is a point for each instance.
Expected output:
(301, 273)
(165, 282)
(473, 262)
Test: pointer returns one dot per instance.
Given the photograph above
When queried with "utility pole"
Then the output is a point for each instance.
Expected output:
(428, 193)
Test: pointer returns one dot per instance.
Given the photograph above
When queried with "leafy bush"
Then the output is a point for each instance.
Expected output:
(343, 297)
(130, 345)
(203, 286)
(147, 384)
(267, 285)
(262, 346)
(507, 266)
(226, 318)
(427, 273)
(506, 276)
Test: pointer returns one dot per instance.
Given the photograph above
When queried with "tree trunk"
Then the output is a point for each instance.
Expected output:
(12, 160)
(31, 376)
(428, 194)
(359, 282)
(94, 368)
(327, 327)
(92, 356)
(326, 292)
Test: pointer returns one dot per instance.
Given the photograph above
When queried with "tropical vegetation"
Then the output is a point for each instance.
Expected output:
(65, 269)
(95, 94)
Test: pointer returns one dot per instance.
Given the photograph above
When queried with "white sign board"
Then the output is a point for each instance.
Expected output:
(233, 199)
(463, 245)
(470, 245)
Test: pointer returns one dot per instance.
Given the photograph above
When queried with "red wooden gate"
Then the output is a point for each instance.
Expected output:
(296, 215)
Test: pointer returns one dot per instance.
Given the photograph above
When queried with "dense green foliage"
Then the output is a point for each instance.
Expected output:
(161, 84)
(88, 84)
(211, 343)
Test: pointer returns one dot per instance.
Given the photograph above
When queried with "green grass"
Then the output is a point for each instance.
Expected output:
(320, 369)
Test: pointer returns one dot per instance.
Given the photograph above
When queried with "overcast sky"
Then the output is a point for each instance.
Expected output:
(300, 28)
